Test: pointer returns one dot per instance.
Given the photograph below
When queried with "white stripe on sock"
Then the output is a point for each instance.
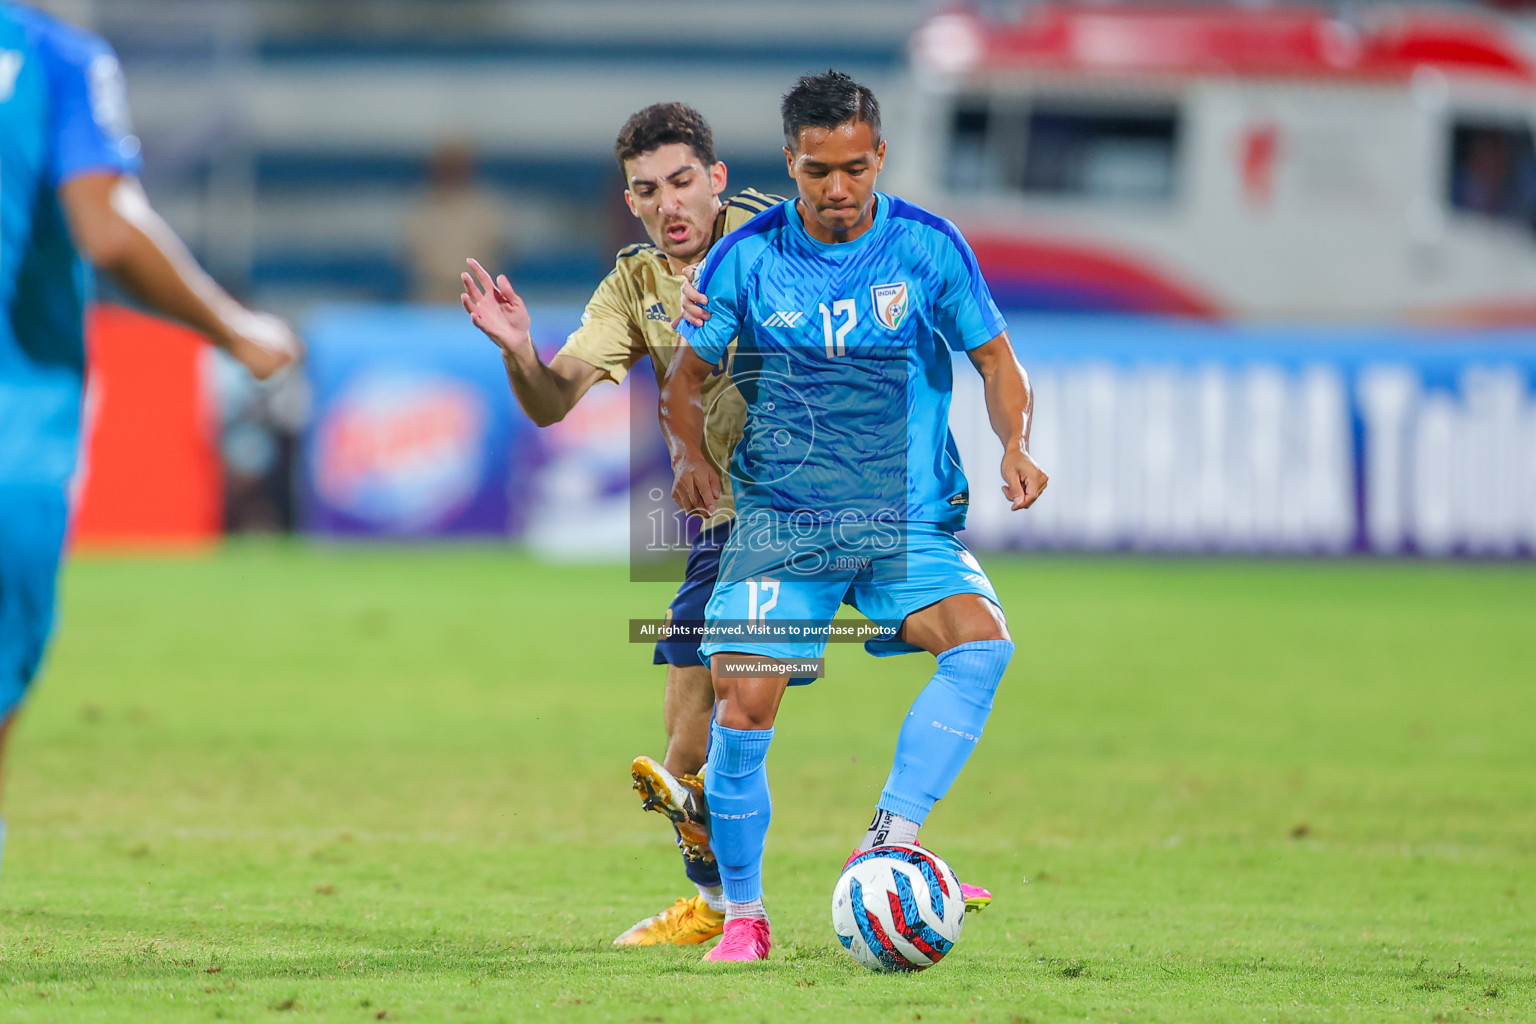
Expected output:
(755, 909)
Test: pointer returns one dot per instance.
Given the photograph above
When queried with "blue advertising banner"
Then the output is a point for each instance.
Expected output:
(1186, 436)
(412, 431)
(1159, 435)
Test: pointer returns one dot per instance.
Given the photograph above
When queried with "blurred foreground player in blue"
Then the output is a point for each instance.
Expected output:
(69, 196)
(845, 304)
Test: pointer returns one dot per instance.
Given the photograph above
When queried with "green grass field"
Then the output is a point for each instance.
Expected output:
(288, 783)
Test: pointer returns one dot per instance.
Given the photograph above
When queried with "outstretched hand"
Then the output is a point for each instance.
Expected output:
(495, 308)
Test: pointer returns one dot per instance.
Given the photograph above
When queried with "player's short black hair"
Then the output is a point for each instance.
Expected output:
(661, 124)
(826, 101)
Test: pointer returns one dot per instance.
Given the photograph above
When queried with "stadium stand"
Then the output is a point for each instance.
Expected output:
(287, 140)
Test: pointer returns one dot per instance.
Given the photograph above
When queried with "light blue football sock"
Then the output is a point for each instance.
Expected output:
(943, 726)
(736, 788)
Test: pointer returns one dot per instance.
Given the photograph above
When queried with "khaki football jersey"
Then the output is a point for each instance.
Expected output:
(630, 316)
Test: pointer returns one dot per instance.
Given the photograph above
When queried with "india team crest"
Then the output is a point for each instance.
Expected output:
(891, 304)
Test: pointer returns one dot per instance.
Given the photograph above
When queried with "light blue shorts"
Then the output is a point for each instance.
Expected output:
(33, 518)
(775, 589)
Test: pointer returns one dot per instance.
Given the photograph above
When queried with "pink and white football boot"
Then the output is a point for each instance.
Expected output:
(745, 938)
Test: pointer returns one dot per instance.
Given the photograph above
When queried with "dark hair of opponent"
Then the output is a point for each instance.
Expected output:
(661, 124)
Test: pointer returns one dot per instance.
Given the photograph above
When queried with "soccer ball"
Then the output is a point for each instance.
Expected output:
(897, 908)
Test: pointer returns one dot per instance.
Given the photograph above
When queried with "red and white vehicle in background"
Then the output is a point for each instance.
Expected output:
(1234, 162)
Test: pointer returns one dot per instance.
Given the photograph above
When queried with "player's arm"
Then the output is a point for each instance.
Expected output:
(695, 486)
(1010, 408)
(969, 319)
(546, 392)
(116, 229)
(94, 170)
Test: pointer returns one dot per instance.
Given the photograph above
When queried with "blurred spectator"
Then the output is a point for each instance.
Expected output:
(457, 218)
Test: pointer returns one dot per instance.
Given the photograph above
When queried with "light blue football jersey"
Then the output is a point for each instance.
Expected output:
(843, 357)
(63, 113)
